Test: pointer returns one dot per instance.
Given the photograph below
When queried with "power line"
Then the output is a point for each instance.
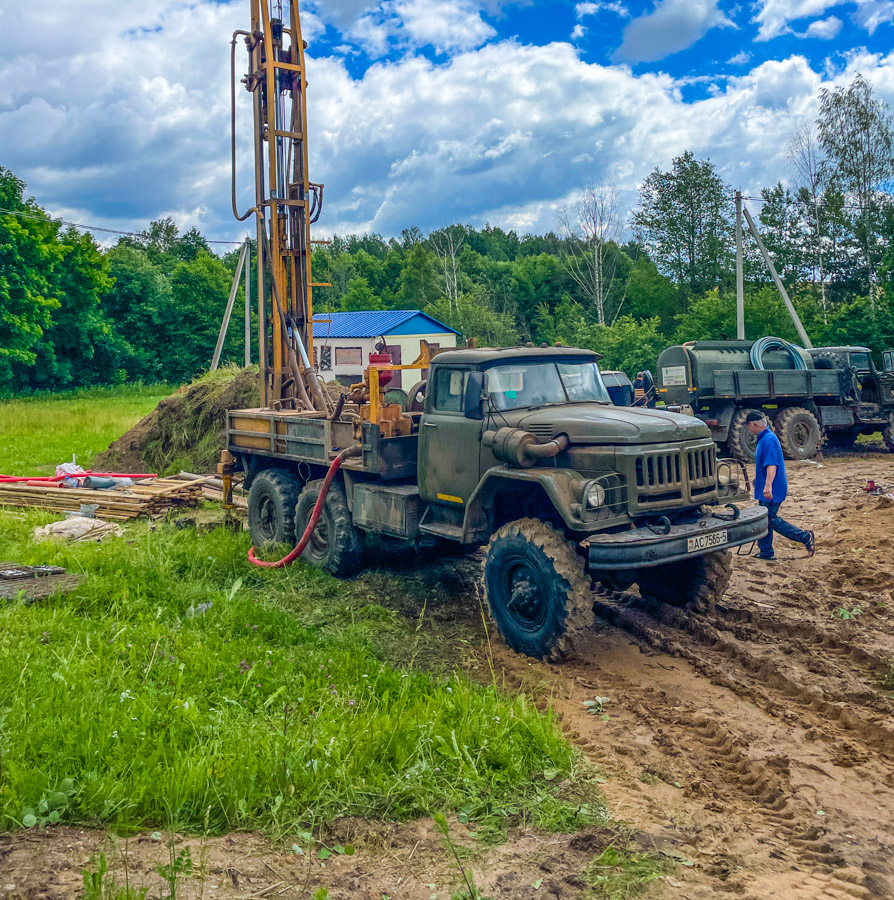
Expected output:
(46, 218)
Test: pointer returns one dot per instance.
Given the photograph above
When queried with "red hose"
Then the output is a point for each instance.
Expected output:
(298, 549)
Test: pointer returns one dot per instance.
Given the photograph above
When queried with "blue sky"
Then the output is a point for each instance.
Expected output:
(422, 112)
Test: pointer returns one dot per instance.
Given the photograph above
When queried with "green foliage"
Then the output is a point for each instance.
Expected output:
(474, 319)
(100, 884)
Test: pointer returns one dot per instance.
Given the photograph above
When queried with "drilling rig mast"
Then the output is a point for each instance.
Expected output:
(287, 203)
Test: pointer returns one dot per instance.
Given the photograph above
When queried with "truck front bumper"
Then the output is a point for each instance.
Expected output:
(642, 547)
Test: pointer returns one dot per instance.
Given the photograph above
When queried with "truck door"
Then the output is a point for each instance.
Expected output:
(449, 443)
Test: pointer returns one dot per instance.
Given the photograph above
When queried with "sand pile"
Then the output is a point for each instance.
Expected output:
(186, 430)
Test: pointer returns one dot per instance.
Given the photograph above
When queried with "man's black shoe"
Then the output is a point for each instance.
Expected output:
(810, 544)
(771, 556)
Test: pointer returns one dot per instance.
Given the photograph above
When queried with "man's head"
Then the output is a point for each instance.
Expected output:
(755, 422)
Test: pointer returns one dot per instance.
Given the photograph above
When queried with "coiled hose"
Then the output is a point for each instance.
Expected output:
(298, 549)
(765, 344)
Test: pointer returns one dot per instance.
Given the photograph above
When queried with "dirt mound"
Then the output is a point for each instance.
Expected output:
(186, 430)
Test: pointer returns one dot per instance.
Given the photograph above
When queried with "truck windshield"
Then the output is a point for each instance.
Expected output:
(517, 387)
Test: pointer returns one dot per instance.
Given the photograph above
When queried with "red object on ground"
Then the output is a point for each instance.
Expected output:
(298, 549)
(50, 479)
(382, 359)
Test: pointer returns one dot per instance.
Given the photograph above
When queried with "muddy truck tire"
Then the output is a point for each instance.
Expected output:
(336, 546)
(740, 442)
(693, 584)
(799, 433)
(888, 434)
(271, 507)
(537, 590)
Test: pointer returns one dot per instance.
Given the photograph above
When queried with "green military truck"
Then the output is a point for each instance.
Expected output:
(520, 450)
(826, 394)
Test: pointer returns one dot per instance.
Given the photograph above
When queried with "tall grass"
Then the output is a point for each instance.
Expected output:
(36, 434)
(271, 710)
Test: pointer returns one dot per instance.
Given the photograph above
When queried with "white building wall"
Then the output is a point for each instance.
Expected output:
(409, 350)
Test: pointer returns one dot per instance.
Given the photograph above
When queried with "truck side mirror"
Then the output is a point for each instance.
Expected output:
(474, 401)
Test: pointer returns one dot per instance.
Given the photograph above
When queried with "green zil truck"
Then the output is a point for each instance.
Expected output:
(836, 395)
(520, 451)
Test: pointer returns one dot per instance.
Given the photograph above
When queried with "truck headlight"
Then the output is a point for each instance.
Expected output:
(595, 496)
(724, 475)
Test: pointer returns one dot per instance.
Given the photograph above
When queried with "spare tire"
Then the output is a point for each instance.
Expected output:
(799, 433)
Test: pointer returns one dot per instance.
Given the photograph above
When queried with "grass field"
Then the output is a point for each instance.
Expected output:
(293, 700)
(38, 434)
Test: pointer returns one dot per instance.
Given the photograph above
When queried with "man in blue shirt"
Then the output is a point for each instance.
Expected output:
(771, 487)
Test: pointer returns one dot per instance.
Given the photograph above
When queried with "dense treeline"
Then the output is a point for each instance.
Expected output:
(148, 308)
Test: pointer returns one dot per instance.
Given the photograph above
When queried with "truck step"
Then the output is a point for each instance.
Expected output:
(443, 530)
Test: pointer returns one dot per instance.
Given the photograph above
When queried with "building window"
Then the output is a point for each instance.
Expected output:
(348, 356)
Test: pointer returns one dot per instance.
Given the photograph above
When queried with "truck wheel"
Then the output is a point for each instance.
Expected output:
(271, 507)
(695, 584)
(336, 544)
(537, 590)
(888, 434)
(740, 441)
(799, 433)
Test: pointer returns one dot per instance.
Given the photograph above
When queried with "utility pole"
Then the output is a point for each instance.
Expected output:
(215, 360)
(248, 302)
(780, 286)
(740, 274)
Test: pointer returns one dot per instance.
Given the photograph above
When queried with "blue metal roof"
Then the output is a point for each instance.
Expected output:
(374, 323)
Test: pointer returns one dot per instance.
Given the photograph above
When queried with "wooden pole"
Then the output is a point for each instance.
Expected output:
(247, 303)
(740, 274)
(781, 287)
(215, 360)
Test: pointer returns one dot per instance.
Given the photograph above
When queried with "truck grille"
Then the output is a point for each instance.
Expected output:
(701, 470)
(675, 475)
(659, 476)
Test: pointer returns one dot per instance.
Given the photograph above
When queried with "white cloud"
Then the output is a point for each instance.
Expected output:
(591, 8)
(443, 24)
(742, 57)
(672, 26)
(872, 13)
(578, 32)
(824, 29)
(120, 114)
(774, 16)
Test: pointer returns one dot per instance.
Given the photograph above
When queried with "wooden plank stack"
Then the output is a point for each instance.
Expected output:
(151, 498)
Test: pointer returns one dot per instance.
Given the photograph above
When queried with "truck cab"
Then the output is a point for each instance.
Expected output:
(520, 451)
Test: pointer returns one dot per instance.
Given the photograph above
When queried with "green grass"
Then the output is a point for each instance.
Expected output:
(619, 874)
(274, 710)
(37, 434)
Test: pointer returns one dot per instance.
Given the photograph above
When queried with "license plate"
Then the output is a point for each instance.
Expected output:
(706, 541)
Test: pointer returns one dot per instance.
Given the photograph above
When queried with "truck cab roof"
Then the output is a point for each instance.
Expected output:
(484, 357)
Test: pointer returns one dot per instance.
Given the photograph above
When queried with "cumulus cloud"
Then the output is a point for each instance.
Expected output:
(824, 29)
(742, 57)
(872, 13)
(119, 115)
(593, 7)
(672, 26)
(773, 16)
(443, 24)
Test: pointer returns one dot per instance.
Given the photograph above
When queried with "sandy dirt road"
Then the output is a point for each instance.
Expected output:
(754, 744)
(757, 740)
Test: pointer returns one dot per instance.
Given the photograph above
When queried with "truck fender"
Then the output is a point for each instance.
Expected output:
(559, 485)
